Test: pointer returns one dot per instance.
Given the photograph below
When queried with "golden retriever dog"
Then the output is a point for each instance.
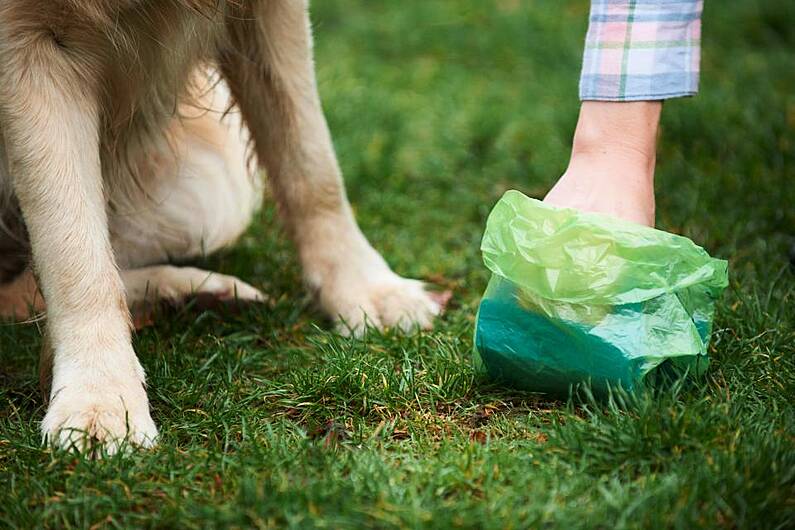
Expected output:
(126, 129)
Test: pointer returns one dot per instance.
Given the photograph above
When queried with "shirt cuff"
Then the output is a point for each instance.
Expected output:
(639, 50)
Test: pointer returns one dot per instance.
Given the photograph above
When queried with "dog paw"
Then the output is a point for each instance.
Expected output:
(96, 423)
(176, 284)
(226, 288)
(387, 302)
(153, 287)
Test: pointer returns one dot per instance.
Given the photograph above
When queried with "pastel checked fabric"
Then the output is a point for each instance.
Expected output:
(642, 50)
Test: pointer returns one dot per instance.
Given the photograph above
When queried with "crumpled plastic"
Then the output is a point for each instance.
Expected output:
(579, 297)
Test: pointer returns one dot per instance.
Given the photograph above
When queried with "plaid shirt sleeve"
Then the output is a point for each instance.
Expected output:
(642, 50)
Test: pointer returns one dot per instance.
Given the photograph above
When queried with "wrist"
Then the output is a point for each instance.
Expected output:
(609, 129)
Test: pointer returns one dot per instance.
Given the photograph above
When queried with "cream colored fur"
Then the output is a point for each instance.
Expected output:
(116, 149)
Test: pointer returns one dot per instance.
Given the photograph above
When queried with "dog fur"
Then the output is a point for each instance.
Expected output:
(127, 127)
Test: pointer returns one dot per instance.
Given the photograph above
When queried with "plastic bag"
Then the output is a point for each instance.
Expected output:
(578, 297)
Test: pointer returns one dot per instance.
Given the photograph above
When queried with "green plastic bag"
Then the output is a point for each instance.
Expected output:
(578, 297)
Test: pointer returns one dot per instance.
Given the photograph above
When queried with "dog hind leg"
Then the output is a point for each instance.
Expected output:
(204, 194)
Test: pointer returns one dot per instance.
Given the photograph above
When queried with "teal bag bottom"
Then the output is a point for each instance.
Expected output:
(530, 350)
(583, 298)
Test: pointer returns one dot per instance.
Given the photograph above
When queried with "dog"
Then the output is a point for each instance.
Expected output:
(133, 134)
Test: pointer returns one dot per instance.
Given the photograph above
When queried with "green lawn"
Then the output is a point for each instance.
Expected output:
(269, 419)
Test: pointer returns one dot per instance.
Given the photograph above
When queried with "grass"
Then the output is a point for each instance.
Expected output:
(269, 419)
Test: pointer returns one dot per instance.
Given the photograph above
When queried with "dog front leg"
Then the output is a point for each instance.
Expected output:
(269, 69)
(50, 120)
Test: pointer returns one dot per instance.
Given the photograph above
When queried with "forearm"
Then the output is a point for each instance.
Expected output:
(637, 53)
(607, 129)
